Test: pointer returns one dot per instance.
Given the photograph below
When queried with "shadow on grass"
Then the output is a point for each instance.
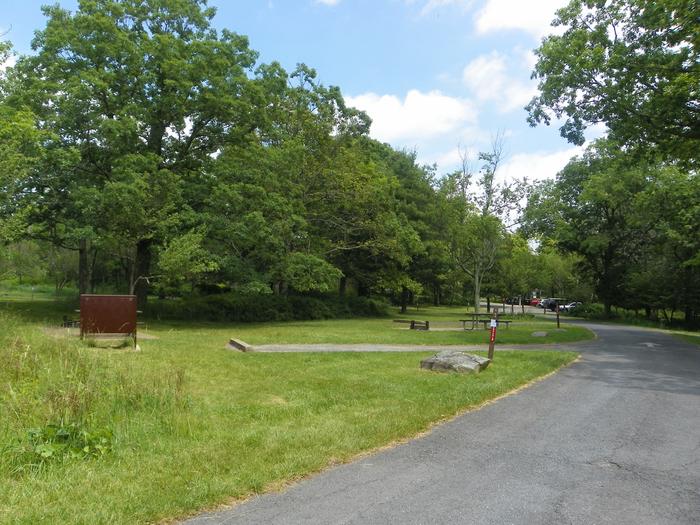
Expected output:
(49, 312)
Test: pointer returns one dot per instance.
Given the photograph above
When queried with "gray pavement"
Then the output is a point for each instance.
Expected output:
(612, 439)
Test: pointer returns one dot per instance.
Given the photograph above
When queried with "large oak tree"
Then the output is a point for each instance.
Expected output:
(146, 91)
(633, 65)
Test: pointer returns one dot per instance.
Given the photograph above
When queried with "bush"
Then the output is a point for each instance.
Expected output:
(590, 311)
(233, 307)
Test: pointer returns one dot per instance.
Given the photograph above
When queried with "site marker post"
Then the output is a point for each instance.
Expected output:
(492, 339)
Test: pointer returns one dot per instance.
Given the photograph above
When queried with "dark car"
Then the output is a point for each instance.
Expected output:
(544, 303)
(550, 303)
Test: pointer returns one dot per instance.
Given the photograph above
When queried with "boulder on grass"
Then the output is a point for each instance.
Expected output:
(454, 361)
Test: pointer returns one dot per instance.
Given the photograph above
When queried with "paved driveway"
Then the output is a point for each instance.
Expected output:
(614, 438)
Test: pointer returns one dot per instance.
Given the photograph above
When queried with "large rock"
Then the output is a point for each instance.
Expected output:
(455, 361)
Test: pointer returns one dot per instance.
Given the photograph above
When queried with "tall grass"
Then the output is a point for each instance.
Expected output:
(52, 389)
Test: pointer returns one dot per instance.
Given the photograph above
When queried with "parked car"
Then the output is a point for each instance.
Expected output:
(535, 301)
(569, 307)
(544, 303)
(550, 303)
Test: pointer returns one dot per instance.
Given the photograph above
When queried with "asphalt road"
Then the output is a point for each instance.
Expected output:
(614, 438)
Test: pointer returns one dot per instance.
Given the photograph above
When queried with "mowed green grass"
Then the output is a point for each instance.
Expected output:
(444, 322)
(382, 331)
(196, 425)
(689, 338)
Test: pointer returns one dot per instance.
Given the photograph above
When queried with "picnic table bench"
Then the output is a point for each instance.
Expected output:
(475, 320)
(487, 321)
(69, 323)
(415, 325)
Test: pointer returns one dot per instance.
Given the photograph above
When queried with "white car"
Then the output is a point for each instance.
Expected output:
(571, 306)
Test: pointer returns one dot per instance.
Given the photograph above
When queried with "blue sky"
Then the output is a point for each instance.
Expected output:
(436, 76)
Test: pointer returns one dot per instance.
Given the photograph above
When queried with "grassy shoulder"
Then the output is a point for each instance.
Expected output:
(193, 425)
(688, 337)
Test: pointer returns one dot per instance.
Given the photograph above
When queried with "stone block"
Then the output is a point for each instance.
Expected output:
(241, 346)
(454, 361)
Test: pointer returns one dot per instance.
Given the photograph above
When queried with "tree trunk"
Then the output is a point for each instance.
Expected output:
(83, 267)
(477, 293)
(143, 270)
(91, 274)
(488, 303)
(362, 289)
(404, 299)
(607, 307)
(342, 286)
(689, 316)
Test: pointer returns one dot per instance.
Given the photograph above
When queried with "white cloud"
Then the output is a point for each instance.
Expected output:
(11, 61)
(532, 17)
(488, 78)
(327, 2)
(595, 131)
(537, 166)
(431, 5)
(452, 159)
(527, 57)
(418, 117)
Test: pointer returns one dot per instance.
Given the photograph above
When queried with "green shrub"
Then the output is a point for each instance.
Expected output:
(590, 311)
(234, 307)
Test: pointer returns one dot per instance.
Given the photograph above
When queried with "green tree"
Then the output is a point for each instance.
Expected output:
(591, 210)
(633, 65)
(146, 91)
(670, 209)
(476, 208)
(516, 269)
(23, 261)
(183, 258)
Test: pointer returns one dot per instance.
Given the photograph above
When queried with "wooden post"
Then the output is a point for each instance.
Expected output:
(557, 314)
(492, 339)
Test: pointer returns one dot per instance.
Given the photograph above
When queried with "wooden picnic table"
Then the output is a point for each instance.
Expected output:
(487, 321)
(474, 319)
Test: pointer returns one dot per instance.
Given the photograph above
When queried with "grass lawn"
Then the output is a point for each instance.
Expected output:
(381, 330)
(688, 337)
(194, 425)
